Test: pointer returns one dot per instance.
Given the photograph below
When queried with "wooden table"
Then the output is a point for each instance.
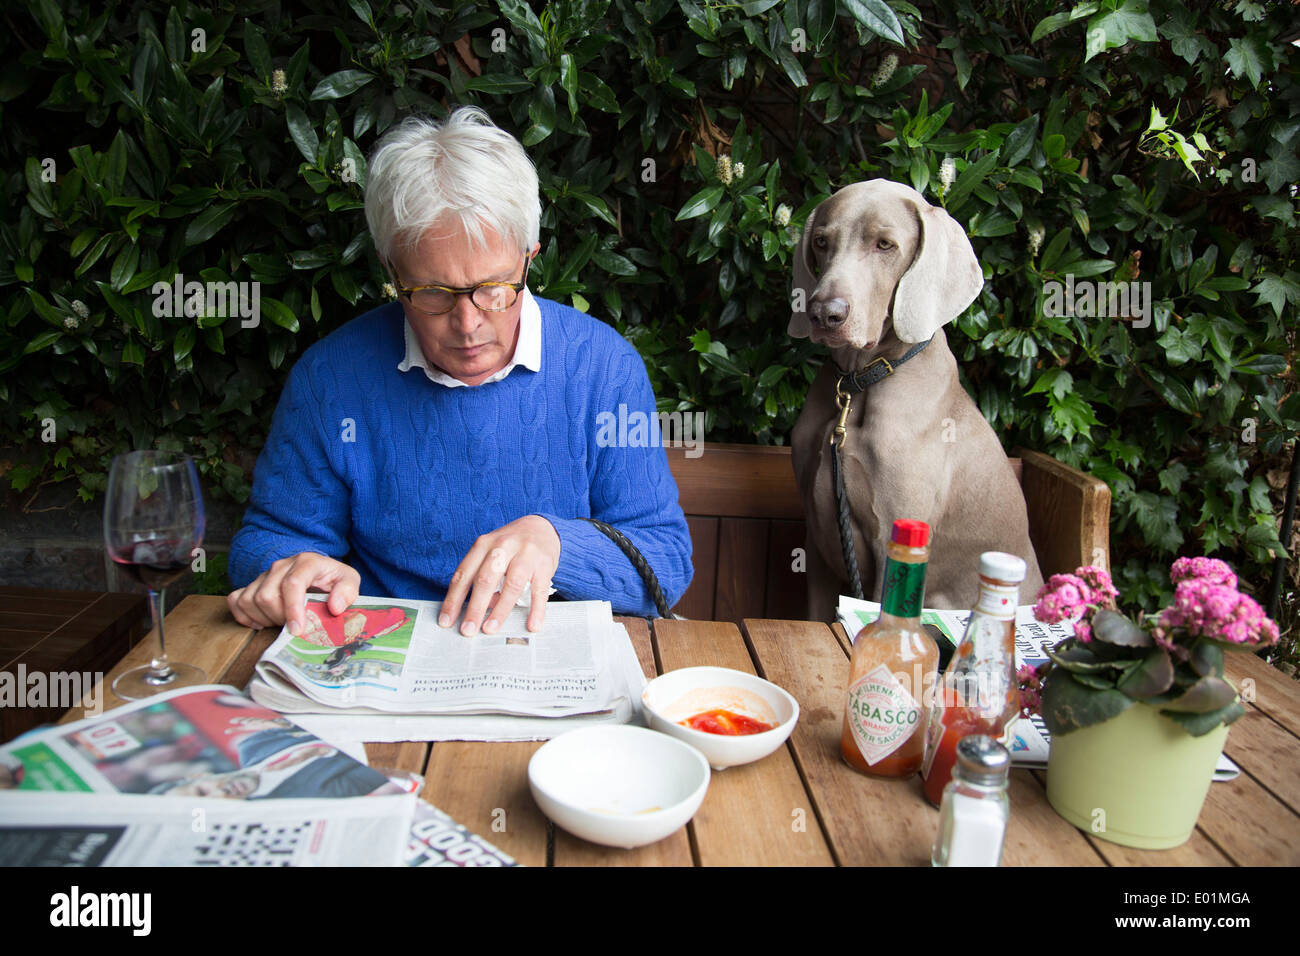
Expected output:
(803, 806)
(48, 631)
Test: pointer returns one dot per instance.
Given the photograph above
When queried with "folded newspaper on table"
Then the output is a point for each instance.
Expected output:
(399, 676)
(1028, 739)
(213, 745)
(81, 829)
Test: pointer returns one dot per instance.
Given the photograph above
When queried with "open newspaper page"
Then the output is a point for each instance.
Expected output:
(389, 656)
(1027, 738)
(193, 741)
(82, 829)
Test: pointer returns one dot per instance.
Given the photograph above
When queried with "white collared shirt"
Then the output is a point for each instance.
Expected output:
(528, 349)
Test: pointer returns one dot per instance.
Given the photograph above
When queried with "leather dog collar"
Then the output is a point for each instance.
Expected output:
(859, 381)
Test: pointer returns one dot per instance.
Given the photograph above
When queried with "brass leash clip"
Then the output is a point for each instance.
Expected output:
(844, 401)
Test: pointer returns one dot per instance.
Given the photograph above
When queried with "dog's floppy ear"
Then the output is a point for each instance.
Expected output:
(804, 283)
(943, 280)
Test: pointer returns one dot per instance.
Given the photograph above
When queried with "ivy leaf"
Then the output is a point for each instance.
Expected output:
(1249, 56)
(1157, 516)
(1072, 415)
(1277, 291)
(1055, 380)
(1106, 31)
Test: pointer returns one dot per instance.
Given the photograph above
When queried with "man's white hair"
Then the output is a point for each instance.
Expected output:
(422, 171)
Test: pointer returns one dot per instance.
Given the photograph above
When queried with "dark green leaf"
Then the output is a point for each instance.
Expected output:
(1068, 705)
(1114, 628)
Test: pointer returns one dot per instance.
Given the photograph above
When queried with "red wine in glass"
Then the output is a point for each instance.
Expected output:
(153, 524)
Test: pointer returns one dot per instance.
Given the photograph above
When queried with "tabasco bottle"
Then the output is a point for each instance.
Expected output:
(980, 693)
(894, 660)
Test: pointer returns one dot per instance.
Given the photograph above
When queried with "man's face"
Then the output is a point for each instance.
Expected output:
(467, 343)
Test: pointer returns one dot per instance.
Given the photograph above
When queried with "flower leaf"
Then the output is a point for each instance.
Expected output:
(1207, 659)
(1114, 628)
(1153, 676)
(1198, 725)
(1077, 660)
(1207, 694)
(1068, 705)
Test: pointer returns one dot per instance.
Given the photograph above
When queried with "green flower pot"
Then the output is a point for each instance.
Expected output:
(1137, 779)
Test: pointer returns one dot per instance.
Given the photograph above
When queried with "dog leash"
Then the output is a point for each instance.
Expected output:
(858, 381)
(639, 562)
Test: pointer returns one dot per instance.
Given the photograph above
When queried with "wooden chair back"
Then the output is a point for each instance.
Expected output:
(746, 522)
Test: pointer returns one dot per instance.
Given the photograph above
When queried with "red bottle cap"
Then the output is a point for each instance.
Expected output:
(911, 534)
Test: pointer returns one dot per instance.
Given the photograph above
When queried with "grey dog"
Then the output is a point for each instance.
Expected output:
(878, 269)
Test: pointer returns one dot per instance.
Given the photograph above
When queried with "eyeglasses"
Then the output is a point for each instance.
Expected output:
(440, 299)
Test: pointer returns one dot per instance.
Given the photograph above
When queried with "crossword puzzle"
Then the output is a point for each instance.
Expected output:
(251, 844)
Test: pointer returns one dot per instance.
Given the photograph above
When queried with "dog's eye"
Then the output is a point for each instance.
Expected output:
(819, 243)
(884, 245)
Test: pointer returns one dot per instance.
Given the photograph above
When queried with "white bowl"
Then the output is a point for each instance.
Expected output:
(618, 786)
(683, 693)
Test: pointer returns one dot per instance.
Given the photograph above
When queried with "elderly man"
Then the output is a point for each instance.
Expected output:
(444, 446)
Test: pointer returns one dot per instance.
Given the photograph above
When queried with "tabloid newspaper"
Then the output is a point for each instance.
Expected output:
(219, 779)
(1028, 738)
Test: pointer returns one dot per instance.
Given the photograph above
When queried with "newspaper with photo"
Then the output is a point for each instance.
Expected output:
(389, 656)
(212, 743)
(1027, 738)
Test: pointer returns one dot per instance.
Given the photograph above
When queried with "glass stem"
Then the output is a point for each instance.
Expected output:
(160, 669)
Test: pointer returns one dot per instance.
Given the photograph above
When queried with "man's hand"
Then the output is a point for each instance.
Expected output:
(278, 596)
(524, 553)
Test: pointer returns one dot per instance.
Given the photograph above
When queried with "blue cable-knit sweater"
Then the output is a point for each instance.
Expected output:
(396, 475)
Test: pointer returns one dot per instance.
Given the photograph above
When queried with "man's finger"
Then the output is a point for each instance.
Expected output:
(541, 591)
(344, 592)
(516, 580)
(461, 580)
(486, 581)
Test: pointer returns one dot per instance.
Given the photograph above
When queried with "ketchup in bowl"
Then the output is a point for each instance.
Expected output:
(725, 722)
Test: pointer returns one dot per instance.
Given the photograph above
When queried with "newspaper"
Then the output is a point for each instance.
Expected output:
(201, 741)
(96, 829)
(198, 744)
(438, 840)
(1027, 738)
(385, 656)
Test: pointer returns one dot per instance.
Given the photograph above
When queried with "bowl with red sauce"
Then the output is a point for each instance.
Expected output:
(728, 715)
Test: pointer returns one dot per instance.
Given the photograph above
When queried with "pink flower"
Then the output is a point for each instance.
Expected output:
(1211, 569)
(1099, 582)
(1204, 608)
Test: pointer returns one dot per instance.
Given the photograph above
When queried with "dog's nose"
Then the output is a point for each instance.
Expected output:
(830, 313)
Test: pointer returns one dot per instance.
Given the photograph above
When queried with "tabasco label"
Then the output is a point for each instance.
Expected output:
(882, 714)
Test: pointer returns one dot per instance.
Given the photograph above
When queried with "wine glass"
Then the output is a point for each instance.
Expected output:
(153, 521)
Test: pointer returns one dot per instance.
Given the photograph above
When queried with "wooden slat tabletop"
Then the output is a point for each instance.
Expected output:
(803, 806)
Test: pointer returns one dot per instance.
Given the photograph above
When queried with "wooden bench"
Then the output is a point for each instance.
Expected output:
(746, 520)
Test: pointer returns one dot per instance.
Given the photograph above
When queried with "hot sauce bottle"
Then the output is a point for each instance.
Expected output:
(894, 661)
(979, 694)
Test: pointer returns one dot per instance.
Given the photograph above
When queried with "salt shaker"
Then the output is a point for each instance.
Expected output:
(973, 817)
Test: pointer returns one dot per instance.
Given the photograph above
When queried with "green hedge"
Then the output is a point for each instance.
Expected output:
(237, 152)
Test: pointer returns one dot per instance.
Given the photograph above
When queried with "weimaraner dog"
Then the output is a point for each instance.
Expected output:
(879, 270)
